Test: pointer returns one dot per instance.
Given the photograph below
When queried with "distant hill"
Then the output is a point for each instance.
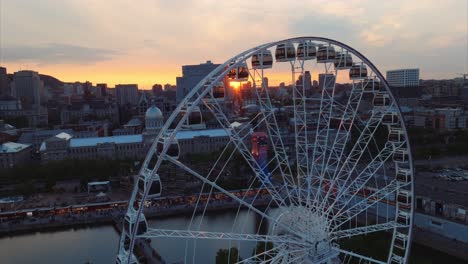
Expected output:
(51, 81)
(48, 80)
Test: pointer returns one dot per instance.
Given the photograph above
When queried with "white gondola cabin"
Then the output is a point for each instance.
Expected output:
(401, 240)
(142, 226)
(262, 60)
(358, 71)
(390, 119)
(404, 197)
(285, 52)
(370, 85)
(154, 186)
(173, 149)
(326, 54)
(401, 155)
(396, 136)
(403, 175)
(239, 73)
(306, 51)
(381, 99)
(403, 217)
(343, 60)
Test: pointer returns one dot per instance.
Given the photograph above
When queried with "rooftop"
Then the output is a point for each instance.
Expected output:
(88, 142)
(12, 147)
(189, 134)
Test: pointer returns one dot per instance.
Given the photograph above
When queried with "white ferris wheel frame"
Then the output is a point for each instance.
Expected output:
(195, 97)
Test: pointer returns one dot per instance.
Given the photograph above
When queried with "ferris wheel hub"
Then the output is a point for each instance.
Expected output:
(314, 228)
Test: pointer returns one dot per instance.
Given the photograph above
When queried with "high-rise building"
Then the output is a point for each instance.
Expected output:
(191, 76)
(101, 89)
(265, 82)
(157, 89)
(403, 77)
(4, 82)
(126, 94)
(27, 86)
(326, 80)
(307, 80)
(404, 83)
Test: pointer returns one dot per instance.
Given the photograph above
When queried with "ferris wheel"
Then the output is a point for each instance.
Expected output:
(322, 159)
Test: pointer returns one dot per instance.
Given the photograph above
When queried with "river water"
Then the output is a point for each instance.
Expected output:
(98, 244)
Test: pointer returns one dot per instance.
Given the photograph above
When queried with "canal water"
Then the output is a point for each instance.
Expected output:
(98, 244)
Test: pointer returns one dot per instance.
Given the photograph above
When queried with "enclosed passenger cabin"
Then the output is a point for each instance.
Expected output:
(239, 73)
(306, 51)
(262, 60)
(326, 54)
(154, 186)
(285, 52)
(358, 71)
(381, 99)
(403, 175)
(396, 136)
(343, 60)
(216, 91)
(173, 149)
(403, 217)
(390, 119)
(142, 225)
(370, 85)
(404, 197)
(401, 155)
(401, 240)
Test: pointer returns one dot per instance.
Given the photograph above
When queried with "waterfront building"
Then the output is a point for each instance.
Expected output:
(13, 154)
(191, 76)
(35, 138)
(65, 146)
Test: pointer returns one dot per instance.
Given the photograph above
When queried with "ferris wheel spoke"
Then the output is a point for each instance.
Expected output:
(363, 204)
(239, 142)
(346, 123)
(322, 132)
(360, 181)
(363, 230)
(274, 133)
(349, 165)
(190, 234)
(360, 257)
(232, 196)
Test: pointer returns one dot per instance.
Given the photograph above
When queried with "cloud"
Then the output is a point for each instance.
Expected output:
(56, 53)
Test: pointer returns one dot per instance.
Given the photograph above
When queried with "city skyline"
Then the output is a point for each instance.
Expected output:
(80, 40)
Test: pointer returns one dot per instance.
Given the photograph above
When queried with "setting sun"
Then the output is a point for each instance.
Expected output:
(235, 85)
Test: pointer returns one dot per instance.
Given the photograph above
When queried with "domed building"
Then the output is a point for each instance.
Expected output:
(154, 119)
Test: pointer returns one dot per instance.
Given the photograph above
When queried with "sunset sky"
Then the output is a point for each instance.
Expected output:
(147, 41)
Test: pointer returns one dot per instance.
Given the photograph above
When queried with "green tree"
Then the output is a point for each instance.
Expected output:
(228, 256)
(260, 249)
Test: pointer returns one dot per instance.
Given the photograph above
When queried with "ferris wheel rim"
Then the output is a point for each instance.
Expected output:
(242, 57)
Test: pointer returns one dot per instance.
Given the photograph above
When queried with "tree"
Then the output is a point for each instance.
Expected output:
(228, 256)
(261, 248)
